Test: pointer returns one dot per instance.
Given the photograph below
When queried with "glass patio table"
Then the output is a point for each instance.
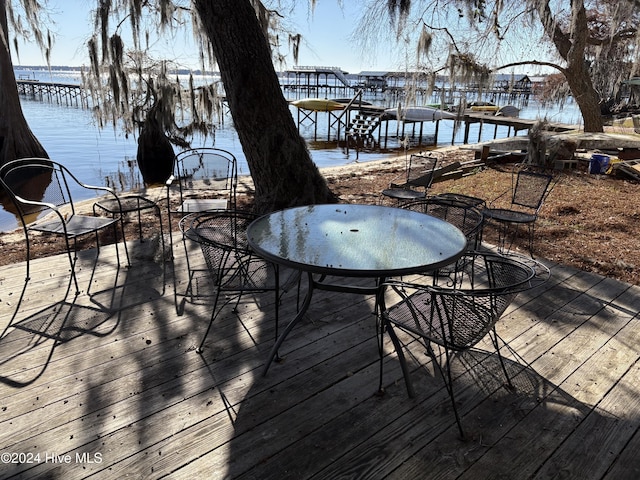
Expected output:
(348, 240)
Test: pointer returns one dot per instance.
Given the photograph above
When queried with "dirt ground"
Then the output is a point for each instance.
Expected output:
(590, 222)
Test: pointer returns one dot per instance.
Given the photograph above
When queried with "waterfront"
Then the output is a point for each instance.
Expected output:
(106, 157)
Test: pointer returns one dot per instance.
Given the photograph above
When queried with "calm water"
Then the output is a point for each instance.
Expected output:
(105, 157)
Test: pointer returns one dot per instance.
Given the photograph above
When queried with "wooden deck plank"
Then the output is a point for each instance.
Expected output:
(411, 431)
(378, 452)
(122, 380)
(369, 322)
(554, 410)
(229, 398)
(352, 461)
(626, 464)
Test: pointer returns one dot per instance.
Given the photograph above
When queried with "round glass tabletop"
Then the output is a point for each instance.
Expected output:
(356, 240)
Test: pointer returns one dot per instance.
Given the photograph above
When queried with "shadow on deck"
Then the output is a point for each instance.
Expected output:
(110, 384)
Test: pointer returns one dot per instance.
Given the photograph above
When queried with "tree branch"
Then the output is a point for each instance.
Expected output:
(445, 30)
(532, 62)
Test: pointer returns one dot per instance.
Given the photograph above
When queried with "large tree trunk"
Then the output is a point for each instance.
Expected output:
(578, 74)
(283, 173)
(16, 138)
(572, 47)
(588, 100)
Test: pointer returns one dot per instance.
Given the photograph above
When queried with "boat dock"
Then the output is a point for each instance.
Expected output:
(517, 124)
(360, 127)
(313, 81)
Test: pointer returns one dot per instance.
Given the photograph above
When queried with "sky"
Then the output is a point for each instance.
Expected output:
(327, 38)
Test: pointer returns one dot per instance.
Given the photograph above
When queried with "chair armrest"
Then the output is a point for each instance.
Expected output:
(96, 187)
(398, 182)
(491, 202)
(100, 188)
(42, 205)
(48, 205)
(421, 181)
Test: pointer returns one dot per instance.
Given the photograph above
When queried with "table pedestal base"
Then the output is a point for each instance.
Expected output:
(321, 285)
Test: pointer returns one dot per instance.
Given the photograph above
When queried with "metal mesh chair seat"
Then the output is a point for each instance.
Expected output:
(506, 215)
(74, 226)
(233, 267)
(458, 316)
(127, 204)
(132, 204)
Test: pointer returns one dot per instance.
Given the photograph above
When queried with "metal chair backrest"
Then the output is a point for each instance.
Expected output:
(37, 184)
(467, 218)
(471, 307)
(420, 170)
(530, 189)
(206, 169)
(222, 236)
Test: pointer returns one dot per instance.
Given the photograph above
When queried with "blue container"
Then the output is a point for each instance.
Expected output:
(599, 164)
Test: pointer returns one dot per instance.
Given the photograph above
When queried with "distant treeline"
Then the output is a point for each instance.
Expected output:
(65, 68)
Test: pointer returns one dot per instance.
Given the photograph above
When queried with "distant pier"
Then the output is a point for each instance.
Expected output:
(310, 80)
(61, 93)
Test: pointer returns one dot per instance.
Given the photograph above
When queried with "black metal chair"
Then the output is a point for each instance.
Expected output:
(467, 218)
(416, 181)
(200, 174)
(197, 173)
(232, 266)
(474, 202)
(41, 192)
(530, 188)
(458, 316)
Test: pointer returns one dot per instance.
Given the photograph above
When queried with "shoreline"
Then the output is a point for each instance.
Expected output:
(583, 217)
(611, 139)
(245, 183)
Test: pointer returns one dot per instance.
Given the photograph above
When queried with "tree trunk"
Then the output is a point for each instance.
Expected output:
(588, 100)
(16, 138)
(283, 173)
(155, 154)
(572, 47)
(578, 74)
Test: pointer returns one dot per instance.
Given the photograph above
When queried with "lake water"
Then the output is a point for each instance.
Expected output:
(106, 157)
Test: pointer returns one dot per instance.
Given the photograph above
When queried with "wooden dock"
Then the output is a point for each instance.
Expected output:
(341, 124)
(61, 93)
(109, 385)
(515, 124)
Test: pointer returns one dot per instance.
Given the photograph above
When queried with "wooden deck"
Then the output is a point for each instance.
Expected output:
(109, 385)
